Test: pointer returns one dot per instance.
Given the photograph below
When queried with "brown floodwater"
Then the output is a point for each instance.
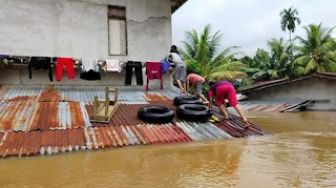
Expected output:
(301, 152)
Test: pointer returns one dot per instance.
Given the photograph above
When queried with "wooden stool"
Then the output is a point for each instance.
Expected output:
(104, 110)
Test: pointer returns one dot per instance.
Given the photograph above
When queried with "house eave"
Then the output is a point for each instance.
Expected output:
(176, 4)
(275, 83)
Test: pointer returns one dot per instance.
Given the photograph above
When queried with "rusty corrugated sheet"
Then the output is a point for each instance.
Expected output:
(50, 95)
(20, 93)
(29, 115)
(125, 135)
(156, 97)
(80, 94)
(46, 142)
(235, 127)
(126, 114)
(16, 115)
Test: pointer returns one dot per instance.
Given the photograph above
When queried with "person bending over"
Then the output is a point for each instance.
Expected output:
(179, 70)
(222, 90)
(197, 82)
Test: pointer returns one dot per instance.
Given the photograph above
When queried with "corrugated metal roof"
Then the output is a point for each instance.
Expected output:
(30, 115)
(273, 83)
(202, 131)
(43, 142)
(53, 120)
(79, 94)
(271, 106)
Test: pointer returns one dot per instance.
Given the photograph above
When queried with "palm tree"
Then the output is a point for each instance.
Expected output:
(202, 49)
(318, 51)
(288, 20)
(269, 65)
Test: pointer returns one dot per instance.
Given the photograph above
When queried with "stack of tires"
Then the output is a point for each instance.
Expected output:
(191, 109)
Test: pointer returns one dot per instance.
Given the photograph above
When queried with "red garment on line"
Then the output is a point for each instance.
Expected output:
(68, 64)
(154, 71)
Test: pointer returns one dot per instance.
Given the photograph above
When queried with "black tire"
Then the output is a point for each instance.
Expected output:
(156, 114)
(184, 99)
(193, 112)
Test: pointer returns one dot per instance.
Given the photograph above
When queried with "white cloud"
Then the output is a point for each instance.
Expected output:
(249, 23)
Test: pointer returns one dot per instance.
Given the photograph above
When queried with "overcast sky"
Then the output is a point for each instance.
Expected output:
(249, 23)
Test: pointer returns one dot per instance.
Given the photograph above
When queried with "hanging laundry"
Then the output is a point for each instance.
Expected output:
(90, 70)
(113, 66)
(40, 63)
(137, 65)
(68, 64)
(88, 64)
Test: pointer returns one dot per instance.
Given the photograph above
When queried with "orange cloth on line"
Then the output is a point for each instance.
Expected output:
(195, 78)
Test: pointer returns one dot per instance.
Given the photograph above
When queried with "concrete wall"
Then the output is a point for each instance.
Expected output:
(312, 89)
(78, 28)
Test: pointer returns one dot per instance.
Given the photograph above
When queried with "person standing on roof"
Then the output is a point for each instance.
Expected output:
(222, 90)
(197, 82)
(179, 70)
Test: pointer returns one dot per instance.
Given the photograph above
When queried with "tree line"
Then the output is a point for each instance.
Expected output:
(292, 58)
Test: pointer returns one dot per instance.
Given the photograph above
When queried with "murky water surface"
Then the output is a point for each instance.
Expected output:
(301, 152)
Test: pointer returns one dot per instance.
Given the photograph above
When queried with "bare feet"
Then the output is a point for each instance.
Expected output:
(246, 124)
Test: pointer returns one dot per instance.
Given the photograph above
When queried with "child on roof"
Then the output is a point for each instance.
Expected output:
(196, 81)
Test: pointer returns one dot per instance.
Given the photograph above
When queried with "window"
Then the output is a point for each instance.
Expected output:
(117, 30)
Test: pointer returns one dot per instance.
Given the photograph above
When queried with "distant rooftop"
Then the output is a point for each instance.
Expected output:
(274, 83)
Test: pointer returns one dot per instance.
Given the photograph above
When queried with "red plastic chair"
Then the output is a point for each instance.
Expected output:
(153, 71)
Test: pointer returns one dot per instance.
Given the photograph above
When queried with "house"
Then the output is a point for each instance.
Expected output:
(318, 88)
(136, 30)
(40, 119)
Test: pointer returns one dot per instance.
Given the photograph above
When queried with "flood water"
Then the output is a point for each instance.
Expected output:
(301, 152)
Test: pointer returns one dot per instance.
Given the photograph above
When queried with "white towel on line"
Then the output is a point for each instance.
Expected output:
(113, 66)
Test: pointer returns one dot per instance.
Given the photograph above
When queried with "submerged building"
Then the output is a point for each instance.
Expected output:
(316, 91)
(123, 30)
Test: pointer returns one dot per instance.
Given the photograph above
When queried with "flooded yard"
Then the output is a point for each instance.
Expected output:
(301, 152)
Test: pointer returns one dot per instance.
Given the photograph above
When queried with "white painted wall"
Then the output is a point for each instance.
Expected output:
(78, 28)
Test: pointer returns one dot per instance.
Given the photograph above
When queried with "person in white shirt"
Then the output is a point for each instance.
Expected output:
(180, 69)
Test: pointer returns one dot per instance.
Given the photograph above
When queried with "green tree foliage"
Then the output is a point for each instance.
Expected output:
(268, 65)
(202, 49)
(317, 52)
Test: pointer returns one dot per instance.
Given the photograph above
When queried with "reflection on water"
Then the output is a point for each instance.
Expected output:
(300, 153)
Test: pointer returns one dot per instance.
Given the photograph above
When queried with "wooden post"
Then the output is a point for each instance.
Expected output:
(95, 107)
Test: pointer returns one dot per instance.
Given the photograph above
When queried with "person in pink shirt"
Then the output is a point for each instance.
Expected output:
(222, 90)
(197, 82)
